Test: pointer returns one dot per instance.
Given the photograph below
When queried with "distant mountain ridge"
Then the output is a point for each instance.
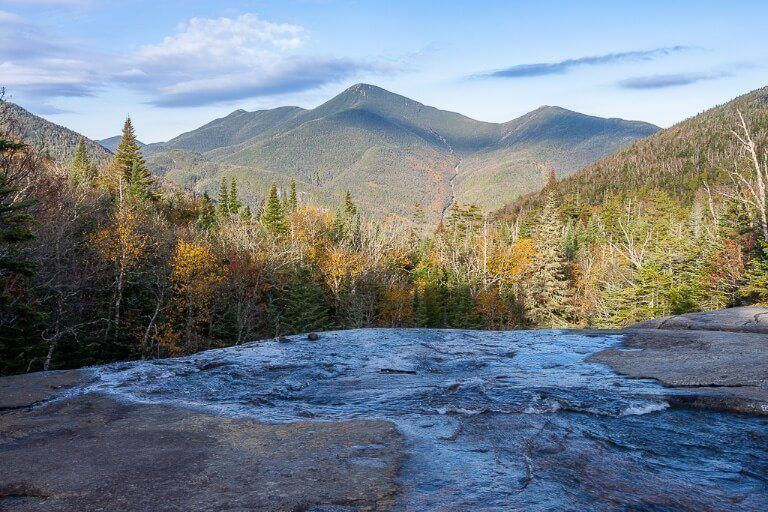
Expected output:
(111, 143)
(57, 141)
(391, 152)
(679, 160)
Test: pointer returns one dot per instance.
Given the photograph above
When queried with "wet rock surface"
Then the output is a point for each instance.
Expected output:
(95, 453)
(723, 368)
(742, 319)
(19, 391)
(402, 419)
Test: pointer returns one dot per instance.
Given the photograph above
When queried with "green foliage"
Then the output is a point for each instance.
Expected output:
(81, 168)
(549, 292)
(273, 217)
(293, 201)
(301, 306)
(18, 320)
(128, 163)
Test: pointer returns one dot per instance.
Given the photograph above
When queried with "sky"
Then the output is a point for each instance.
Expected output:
(176, 65)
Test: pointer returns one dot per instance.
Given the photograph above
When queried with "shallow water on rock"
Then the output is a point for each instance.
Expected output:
(495, 420)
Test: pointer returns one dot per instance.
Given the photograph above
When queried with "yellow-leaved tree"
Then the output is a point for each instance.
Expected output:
(195, 276)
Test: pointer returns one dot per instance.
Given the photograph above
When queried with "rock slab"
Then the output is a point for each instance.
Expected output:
(93, 453)
(719, 358)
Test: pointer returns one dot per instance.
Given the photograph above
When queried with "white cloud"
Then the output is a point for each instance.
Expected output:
(227, 59)
(205, 61)
(223, 42)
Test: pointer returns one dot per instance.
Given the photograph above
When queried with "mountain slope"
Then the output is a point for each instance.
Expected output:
(392, 152)
(112, 142)
(563, 139)
(59, 142)
(678, 160)
(237, 127)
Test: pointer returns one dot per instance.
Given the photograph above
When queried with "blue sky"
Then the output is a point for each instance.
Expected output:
(175, 65)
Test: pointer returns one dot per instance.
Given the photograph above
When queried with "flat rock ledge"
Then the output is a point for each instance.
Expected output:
(715, 360)
(94, 453)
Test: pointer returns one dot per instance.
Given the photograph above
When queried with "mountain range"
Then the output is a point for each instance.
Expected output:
(392, 153)
(679, 161)
(395, 155)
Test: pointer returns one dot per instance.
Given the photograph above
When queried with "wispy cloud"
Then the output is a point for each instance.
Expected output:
(285, 76)
(227, 59)
(37, 68)
(205, 61)
(563, 66)
(671, 80)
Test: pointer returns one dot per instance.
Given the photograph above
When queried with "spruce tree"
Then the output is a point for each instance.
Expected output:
(549, 293)
(81, 168)
(350, 209)
(273, 217)
(19, 340)
(128, 165)
(234, 204)
(127, 153)
(302, 307)
(292, 200)
(206, 214)
(222, 203)
(140, 183)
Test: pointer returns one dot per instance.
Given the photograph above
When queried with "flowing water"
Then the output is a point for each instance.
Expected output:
(494, 420)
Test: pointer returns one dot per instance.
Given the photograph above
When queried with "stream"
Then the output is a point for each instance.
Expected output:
(512, 420)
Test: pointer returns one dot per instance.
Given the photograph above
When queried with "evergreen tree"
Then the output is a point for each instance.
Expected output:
(350, 209)
(273, 217)
(17, 320)
(302, 307)
(140, 183)
(292, 200)
(81, 167)
(128, 160)
(549, 293)
(234, 204)
(206, 214)
(222, 203)
(346, 223)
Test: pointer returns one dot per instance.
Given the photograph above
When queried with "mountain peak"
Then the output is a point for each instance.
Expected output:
(363, 88)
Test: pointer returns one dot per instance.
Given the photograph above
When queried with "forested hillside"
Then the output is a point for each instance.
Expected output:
(49, 138)
(401, 158)
(680, 160)
(99, 263)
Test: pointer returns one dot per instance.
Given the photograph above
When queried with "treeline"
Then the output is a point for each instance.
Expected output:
(100, 264)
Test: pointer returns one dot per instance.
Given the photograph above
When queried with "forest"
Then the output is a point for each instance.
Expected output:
(107, 262)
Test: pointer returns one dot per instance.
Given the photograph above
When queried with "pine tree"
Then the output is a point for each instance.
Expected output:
(128, 165)
(350, 209)
(206, 214)
(126, 154)
(302, 307)
(81, 167)
(273, 217)
(18, 321)
(549, 293)
(292, 200)
(222, 203)
(140, 183)
(234, 204)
